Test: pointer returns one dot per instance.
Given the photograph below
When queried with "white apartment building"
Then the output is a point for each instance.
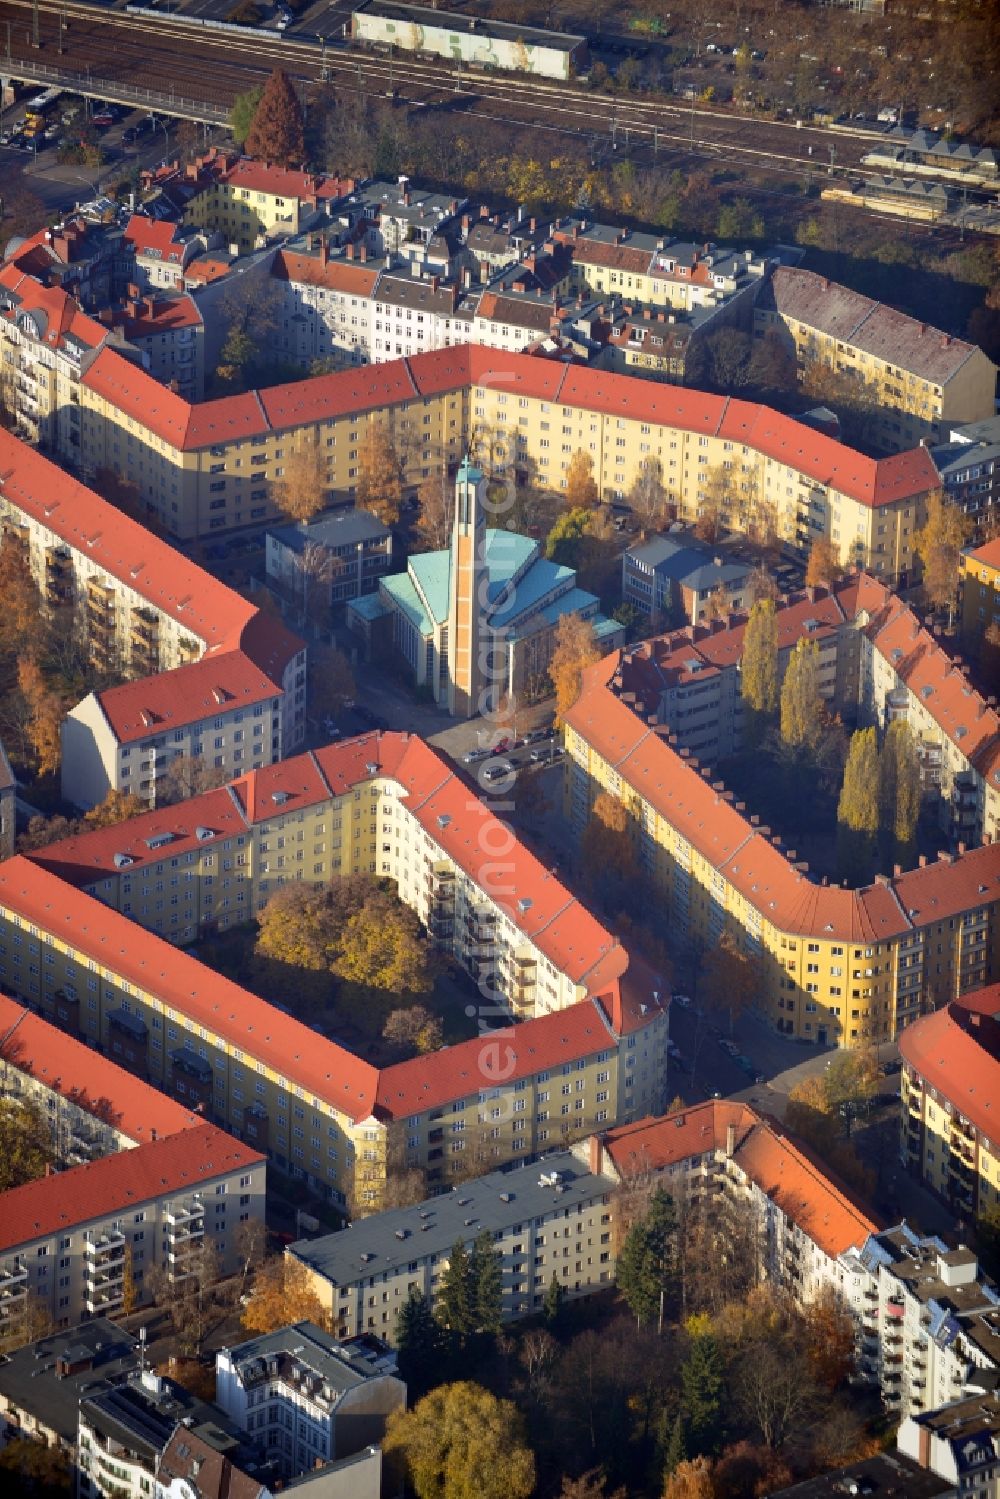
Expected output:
(928, 1321)
(226, 714)
(305, 1398)
(960, 1442)
(66, 1240)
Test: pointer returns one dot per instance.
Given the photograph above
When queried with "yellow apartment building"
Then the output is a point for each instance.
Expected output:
(980, 590)
(209, 467)
(591, 1049)
(837, 966)
(949, 1135)
(248, 201)
(921, 382)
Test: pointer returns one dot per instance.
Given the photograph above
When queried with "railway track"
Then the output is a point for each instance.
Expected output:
(107, 47)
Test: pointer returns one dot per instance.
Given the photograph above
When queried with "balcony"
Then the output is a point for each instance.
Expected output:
(13, 1285)
(182, 1216)
(105, 1247)
(105, 1299)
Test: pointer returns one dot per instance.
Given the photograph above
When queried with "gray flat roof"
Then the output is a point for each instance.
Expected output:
(341, 528)
(305, 1344)
(28, 1377)
(889, 1473)
(390, 1241)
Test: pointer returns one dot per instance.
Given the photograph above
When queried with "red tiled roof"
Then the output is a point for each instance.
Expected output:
(498, 1058)
(87, 858)
(349, 276)
(957, 1051)
(167, 699)
(368, 388)
(622, 989)
(76, 1071)
(120, 1182)
(124, 549)
(822, 1208)
(988, 554)
(58, 313)
(164, 316)
(284, 182)
(155, 967)
(145, 234)
(623, 257)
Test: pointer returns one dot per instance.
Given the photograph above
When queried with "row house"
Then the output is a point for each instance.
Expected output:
(590, 1051)
(918, 381)
(209, 467)
(951, 1073)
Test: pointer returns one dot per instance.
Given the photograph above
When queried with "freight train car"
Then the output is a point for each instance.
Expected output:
(468, 39)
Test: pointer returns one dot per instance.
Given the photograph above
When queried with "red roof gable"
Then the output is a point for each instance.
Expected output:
(77, 1072)
(166, 700)
(822, 1208)
(141, 561)
(498, 1058)
(957, 1051)
(155, 967)
(120, 1182)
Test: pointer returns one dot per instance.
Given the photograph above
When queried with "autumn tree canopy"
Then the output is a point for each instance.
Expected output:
(281, 1293)
(380, 484)
(277, 133)
(460, 1441)
(575, 649)
(939, 544)
(352, 928)
(302, 489)
(581, 486)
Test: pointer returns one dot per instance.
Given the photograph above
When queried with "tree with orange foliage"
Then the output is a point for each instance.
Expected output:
(46, 714)
(301, 491)
(277, 134)
(829, 1340)
(581, 486)
(823, 566)
(21, 601)
(575, 649)
(282, 1293)
(691, 1479)
(380, 484)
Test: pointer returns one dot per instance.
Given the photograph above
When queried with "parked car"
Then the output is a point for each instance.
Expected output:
(476, 754)
(498, 772)
(503, 747)
(534, 735)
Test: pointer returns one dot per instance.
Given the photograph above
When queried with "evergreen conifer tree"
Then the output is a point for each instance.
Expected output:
(486, 1274)
(456, 1301)
(555, 1295)
(418, 1345)
(702, 1391)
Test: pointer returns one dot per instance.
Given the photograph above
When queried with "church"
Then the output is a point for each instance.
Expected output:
(476, 622)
